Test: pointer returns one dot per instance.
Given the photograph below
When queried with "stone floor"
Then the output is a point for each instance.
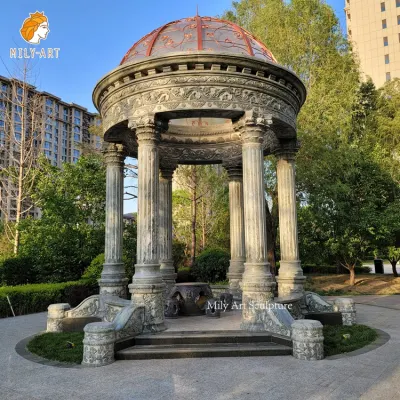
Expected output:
(372, 375)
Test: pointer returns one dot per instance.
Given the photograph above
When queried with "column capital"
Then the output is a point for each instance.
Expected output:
(114, 154)
(287, 151)
(252, 127)
(147, 128)
(166, 172)
(234, 172)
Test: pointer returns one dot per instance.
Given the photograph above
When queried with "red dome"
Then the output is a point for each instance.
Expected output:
(196, 34)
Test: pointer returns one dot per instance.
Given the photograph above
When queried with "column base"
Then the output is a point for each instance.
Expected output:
(147, 289)
(290, 279)
(236, 269)
(290, 287)
(258, 292)
(114, 287)
(168, 276)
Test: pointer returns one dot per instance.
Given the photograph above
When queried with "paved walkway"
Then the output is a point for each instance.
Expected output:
(372, 375)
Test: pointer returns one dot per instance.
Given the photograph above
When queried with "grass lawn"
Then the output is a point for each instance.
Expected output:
(336, 343)
(57, 346)
(331, 285)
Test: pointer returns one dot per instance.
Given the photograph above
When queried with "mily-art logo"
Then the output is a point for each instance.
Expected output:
(34, 29)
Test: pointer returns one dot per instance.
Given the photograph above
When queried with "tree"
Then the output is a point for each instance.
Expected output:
(348, 202)
(200, 208)
(21, 115)
(70, 233)
(305, 36)
(394, 258)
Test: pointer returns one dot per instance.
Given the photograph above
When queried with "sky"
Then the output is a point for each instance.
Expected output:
(93, 36)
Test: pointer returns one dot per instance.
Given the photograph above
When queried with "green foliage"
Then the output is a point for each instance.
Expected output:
(211, 192)
(65, 346)
(129, 248)
(6, 248)
(93, 271)
(28, 299)
(329, 269)
(17, 271)
(185, 275)
(336, 343)
(211, 265)
(178, 254)
(70, 233)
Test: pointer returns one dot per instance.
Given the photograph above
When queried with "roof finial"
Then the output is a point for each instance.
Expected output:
(197, 10)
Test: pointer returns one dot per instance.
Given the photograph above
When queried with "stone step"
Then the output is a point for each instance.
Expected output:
(151, 352)
(202, 337)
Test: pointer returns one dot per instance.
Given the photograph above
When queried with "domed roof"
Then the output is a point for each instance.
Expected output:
(195, 34)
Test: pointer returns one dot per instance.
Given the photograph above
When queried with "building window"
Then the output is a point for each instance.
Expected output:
(3, 87)
(349, 32)
(47, 145)
(77, 129)
(385, 41)
(77, 137)
(77, 121)
(397, 3)
(384, 24)
(49, 102)
(77, 113)
(398, 20)
(388, 77)
(349, 16)
(383, 6)
(77, 153)
(387, 60)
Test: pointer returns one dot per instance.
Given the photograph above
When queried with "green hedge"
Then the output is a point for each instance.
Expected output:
(330, 269)
(211, 265)
(28, 299)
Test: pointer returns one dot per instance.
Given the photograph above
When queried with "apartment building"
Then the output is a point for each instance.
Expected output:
(373, 26)
(61, 133)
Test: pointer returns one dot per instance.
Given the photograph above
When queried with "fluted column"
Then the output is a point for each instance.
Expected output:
(166, 260)
(291, 279)
(147, 285)
(257, 282)
(113, 280)
(238, 253)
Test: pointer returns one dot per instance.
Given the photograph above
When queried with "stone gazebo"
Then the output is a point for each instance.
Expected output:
(214, 71)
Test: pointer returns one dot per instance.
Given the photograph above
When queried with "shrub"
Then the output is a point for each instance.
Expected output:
(93, 271)
(211, 265)
(17, 271)
(178, 254)
(27, 299)
(330, 269)
(185, 275)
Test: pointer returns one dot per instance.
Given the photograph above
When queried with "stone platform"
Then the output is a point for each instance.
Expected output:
(194, 344)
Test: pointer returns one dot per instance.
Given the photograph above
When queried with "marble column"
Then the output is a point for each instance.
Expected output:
(147, 285)
(113, 280)
(291, 278)
(165, 230)
(238, 253)
(257, 281)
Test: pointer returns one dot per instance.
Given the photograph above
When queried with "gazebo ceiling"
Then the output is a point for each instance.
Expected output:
(195, 34)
